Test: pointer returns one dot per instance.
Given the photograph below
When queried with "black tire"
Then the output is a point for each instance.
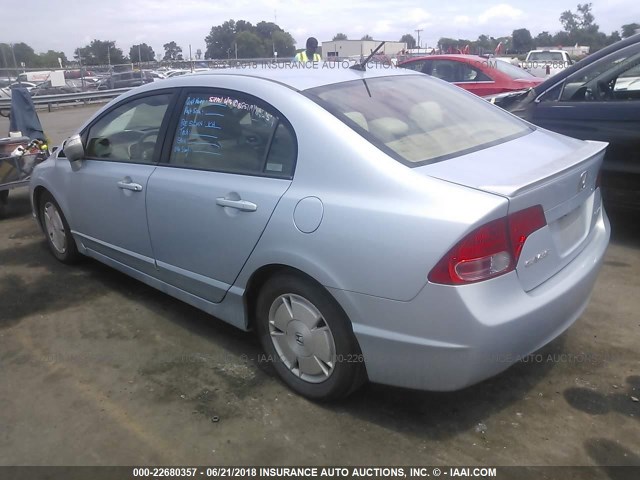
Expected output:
(348, 370)
(69, 254)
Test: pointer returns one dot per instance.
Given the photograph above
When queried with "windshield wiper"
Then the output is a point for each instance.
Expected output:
(362, 66)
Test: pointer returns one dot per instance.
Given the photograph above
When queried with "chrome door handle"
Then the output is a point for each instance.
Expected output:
(243, 205)
(136, 187)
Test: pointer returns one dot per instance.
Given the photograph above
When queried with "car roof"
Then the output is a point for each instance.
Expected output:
(588, 60)
(292, 75)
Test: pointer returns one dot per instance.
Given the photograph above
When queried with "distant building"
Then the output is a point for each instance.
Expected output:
(359, 48)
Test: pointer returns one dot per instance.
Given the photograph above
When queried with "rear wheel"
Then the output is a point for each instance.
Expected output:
(59, 238)
(309, 338)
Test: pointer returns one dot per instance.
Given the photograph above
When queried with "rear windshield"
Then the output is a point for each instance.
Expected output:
(416, 119)
(514, 72)
(545, 57)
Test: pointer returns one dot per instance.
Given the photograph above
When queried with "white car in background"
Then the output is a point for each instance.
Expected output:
(545, 63)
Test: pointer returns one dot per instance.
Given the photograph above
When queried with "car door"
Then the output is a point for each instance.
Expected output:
(230, 161)
(599, 102)
(108, 187)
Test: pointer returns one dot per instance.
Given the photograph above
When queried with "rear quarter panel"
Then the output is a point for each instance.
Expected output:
(383, 225)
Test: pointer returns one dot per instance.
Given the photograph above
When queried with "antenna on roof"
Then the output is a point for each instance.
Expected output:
(362, 66)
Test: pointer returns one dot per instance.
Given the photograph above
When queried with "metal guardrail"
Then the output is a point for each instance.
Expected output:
(84, 97)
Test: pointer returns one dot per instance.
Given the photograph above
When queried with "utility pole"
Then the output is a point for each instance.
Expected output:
(418, 32)
(190, 59)
(139, 57)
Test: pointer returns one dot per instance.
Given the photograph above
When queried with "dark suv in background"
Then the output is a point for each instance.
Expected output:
(597, 98)
(125, 80)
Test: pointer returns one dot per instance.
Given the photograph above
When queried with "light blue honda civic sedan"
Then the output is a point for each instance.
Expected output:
(373, 225)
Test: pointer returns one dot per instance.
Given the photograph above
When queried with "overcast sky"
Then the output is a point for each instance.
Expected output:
(67, 24)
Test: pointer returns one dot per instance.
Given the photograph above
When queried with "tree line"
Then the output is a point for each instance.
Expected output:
(231, 39)
(242, 39)
(578, 27)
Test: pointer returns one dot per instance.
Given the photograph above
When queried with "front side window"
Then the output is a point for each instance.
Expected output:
(129, 132)
(614, 77)
(416, 120)
(233, 134)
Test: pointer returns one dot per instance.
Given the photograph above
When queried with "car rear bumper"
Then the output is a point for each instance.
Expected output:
(448, 338)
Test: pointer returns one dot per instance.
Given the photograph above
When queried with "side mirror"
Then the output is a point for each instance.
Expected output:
(73, 148)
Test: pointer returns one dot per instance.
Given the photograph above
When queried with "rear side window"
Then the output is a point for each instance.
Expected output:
(452, 71)
(417, 120)
(417, 65)
(232, 134)
(545, 57)
(513, 71)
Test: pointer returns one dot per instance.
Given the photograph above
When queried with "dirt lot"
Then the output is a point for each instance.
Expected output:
(99, 369)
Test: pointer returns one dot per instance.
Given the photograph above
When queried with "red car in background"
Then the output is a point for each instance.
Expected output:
(480, 75)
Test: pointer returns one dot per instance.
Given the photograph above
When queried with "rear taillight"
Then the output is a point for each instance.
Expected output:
(489, 251)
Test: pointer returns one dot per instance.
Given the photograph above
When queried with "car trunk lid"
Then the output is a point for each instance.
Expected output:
(541, 168)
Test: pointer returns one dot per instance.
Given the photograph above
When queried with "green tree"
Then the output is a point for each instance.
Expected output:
(485, 43)
(581, 28)
(284, 44)
(522, 41)
(171, 51)
(25, 54)
(50, 59)
(543, 39)
(249, 45)
(220, 40)
(339, 36)
(251, 41)
(100, 52)
(561, 38)
(6, 59)
(445, 44)
(409, 40)
(265, 29)
(629, 29)
(141, 53)
(367, 37)
(613, 38)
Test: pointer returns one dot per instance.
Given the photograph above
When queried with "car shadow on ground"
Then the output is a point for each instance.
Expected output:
(610, 456)
(625, 227)
(18, 204)
(596, 403)
(440, 415)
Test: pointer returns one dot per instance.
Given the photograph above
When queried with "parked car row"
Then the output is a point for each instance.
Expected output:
(597, 98)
